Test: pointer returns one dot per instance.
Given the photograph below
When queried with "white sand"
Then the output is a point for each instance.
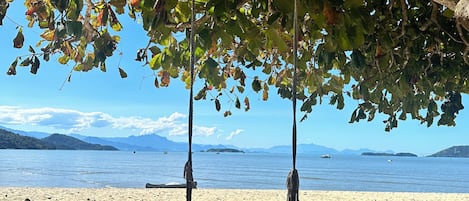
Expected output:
(99, 194)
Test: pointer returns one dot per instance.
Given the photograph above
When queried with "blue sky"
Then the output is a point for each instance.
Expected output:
(103, 104)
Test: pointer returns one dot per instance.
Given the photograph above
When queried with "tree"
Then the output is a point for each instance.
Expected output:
(400, 58)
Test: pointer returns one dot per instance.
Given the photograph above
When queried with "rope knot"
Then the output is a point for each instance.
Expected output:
(293, 184)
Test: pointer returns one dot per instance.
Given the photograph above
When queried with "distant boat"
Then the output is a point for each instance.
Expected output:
(326, 156)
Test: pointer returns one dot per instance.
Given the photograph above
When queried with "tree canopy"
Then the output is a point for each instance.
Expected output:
(400, 58)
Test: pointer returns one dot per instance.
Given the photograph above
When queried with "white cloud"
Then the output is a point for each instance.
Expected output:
(76, 121)
(234, 133)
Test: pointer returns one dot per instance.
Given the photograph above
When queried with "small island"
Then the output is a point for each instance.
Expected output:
(218, 150)
(389, 154)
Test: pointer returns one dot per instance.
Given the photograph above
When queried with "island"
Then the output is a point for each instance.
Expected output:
(388, 154)
(454, 151)
(230, 150)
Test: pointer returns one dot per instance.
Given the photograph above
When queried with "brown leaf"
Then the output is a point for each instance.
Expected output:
(331, 14)
(246, 104)
(19, 39)
(165, 79)
(122, 73)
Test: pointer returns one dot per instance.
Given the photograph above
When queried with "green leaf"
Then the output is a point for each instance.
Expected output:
(256, 85)
(63, 59)
(273, 36)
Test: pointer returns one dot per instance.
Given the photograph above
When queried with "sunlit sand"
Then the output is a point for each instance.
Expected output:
(99, 194)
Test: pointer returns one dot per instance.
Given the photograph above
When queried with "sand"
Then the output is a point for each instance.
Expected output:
(98, 194)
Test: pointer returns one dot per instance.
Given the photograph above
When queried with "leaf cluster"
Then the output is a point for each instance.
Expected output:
(398, 58)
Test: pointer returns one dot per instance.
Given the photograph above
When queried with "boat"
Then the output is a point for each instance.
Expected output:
(326, 156)
(169, 185)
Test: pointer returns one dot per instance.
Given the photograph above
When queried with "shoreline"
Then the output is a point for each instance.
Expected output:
(99, 194)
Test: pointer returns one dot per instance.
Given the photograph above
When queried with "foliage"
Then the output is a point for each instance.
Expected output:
(399, 58)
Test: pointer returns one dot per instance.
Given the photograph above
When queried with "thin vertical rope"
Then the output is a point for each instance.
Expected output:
(188, 167)
(293, 181)
(295, 80)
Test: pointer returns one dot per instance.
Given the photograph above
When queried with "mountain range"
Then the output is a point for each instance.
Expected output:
(154, 142)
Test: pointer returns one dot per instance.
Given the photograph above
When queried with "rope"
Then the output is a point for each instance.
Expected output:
(293, 181)
(188, 166)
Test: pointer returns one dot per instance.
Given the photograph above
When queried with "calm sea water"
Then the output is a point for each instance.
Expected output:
(96, 169)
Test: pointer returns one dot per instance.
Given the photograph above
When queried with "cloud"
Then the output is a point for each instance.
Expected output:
(76, 121)
(234, 133)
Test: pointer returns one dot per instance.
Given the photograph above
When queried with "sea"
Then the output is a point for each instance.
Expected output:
(126, 169)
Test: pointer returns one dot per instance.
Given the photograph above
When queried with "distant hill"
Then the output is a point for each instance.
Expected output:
(70, 143)
(302, 148)
(225, 150)
(388, 154)
(455, 151)
(9, 140)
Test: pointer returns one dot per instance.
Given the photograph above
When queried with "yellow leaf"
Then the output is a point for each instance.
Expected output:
(48, 35)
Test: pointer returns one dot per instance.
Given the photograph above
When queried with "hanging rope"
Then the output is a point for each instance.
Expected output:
(188, 166)
(293, 181)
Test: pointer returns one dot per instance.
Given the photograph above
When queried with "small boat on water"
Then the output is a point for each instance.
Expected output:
(326, 156)
(169, 185)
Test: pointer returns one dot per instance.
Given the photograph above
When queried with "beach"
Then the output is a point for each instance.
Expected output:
(98, 194)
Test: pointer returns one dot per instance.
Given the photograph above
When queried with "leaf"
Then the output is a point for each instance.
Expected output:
(19, 39)
(31, 50)
(217, 105)
(115, 24)
(122, 73)
(48, 35)
(256, 85)
(63, 59)
(238, 103)
(165, 78)
(103, 67)
(227, 113)
(354, 116)
(26, 62)
(12, 69)
(265, 92)
(246, 104)
(35, 65)
(157, 85)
